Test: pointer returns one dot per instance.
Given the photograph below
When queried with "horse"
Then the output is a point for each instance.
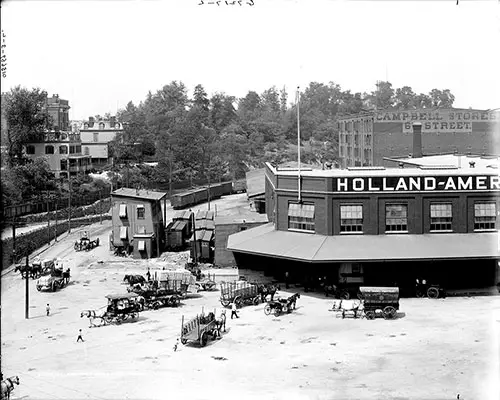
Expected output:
(8, 386)
(354, 306)
(133, 279)
(267, 290)
(292, 300)
(221, 322)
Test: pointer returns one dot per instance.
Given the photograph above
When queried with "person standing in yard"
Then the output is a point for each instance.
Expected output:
(287, 276)
(234, 310)
(47, 309)
(79, 336)
(148, 274)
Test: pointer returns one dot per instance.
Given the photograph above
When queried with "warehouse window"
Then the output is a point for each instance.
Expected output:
(441, 216)
(396, 218)
(141, 229)
(351, 218)
(30, 149)
(63, 149)
(141, 245)
(301, 217)
(484, 215)
(123, 233)
(141, 211)
(49, 149)
(123, 211)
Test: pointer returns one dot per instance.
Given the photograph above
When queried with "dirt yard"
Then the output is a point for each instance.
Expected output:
(436, 349)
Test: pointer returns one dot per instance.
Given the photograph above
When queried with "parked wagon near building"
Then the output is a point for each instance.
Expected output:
(240, 292)
(380, 300)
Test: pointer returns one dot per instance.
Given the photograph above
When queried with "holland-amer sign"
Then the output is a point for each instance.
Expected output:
(416, 184)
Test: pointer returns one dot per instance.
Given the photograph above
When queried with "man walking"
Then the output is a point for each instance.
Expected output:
(79, 336)
(148, 274)
(234, 310)
(47, 309)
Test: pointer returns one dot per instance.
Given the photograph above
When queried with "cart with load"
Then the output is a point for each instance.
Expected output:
(203, 282)
(241, 292)
(57, 279)
(380, 300)
(37, 269)
(121, 307)
(199, 329)
(85, 243)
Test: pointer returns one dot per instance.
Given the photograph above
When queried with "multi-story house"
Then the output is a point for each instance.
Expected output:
(62, 145)
(96, 136)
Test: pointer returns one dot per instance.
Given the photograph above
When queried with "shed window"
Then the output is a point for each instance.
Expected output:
(484, 215)
(441, 216)
(351, 218)
(141, 246)
(396, 218)
(123, 211)
(301, 217)
(123, 233)
(141, 211)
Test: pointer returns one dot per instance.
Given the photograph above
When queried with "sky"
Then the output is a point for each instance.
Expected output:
(100, 55)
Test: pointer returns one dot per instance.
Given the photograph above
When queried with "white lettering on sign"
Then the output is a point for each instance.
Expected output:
(465, 186)
(358, 184)
(401, 185)
(495, 182)
(412, 183)
(429, 183)
(481, 182)
(450, 184)
(370, 185)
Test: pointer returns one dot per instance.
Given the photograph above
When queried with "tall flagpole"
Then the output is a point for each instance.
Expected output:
(298, 143)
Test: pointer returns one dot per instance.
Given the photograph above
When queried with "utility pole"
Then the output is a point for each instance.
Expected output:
(195, 248)
(55, 234)
(27, 308)
(100, 208)
(69, 203)
(48, 219)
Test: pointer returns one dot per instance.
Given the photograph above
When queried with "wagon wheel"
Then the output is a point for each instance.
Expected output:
(389, 312)
(239, 301)
(256, 300)
(155, 305)
(344, 294)
(267, 309)
(370, 314)
(420, 293)
(76, 246)
(175, 301)
(210, 285)
(183, 341)
(203, 339)
(39, 288)
(224, 302)
(277, 311)
(285, 309)
(433, 293)
(24, 274)
(53, 286)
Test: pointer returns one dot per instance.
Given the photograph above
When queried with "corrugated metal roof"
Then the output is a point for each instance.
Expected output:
(203, 235)
(265, 240)
(139, 194)
(204, 214)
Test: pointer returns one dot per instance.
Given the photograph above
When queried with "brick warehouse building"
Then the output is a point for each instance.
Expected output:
(366, 139)
(380, 226)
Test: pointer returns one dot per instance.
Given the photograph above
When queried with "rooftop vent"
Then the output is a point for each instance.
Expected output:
(472, 164)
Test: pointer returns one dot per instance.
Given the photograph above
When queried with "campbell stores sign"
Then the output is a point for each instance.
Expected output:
(438, 121)
(417, 183)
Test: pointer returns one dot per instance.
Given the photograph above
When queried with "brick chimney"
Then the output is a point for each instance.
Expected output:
(417, 140)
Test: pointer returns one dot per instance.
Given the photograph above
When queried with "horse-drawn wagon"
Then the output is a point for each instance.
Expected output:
(279, 306)
(203, 282)
(85, 243)
(384, 300)
(37, 269)
(120, 308)
(200, 328)
(57, 279)
(240, 292)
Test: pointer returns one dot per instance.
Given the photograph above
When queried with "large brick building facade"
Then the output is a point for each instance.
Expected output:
(366, 139)
(385, 224)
